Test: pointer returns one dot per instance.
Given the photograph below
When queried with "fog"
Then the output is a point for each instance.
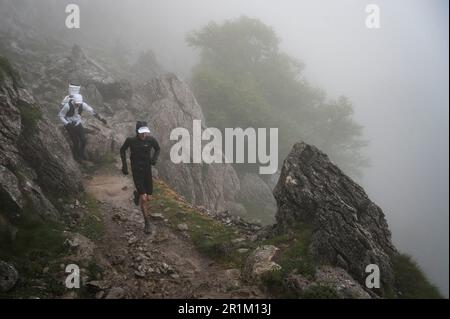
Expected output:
(396, 76)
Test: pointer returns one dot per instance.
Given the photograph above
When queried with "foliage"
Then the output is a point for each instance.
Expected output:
(293, 257)
(91, 224)
(320, 292)
(7, 71)
(410, 281)
(37, 245)
(244, 80)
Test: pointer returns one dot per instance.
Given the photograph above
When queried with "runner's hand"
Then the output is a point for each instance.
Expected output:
(125, 170)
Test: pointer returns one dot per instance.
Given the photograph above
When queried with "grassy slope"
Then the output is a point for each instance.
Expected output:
(411, 282)
(40, 255)
(209, 236)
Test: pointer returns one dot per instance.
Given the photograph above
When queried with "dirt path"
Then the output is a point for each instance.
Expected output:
(166, 266)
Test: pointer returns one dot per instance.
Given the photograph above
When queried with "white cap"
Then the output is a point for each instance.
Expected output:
(143, 130)
(74, 89)
(78, 98)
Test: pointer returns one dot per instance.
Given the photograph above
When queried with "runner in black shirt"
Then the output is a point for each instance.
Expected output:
(142, 159)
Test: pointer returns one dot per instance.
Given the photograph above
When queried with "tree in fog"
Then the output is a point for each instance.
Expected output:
(243, 79)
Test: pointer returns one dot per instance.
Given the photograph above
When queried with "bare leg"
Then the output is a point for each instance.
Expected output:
(145, 212)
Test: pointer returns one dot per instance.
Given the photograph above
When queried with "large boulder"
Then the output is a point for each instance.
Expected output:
(260, 262)
(334, 278)
(102, 141)
(348, 230)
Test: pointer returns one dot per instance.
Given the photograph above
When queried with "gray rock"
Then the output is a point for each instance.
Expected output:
(347, 228)
(233, 277)
(116, 293)
(8, 276)
(81, 248)
(97, 286)
(260, 262)
(71, 295)
(100, 295)
(103, 141)
(157, 216)
(183, 227)
(341, 282)
(298, 283)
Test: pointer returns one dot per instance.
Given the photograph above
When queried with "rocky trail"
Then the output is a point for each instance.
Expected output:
(166, 265)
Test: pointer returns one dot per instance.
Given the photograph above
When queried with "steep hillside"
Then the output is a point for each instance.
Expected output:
(55, 212)
(164, 101)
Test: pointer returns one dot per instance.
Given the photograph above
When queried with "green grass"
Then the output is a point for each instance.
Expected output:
(105, 162)
(320, 292)
(214, 240)
(91, 224)
(6, 70)
(210, 237)
(292, 257)
(38, 244)
(294, 253)
(410, 281)
(30, 116)
(93, 272)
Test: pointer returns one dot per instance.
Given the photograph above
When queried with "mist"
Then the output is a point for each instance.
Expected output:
(396, 77)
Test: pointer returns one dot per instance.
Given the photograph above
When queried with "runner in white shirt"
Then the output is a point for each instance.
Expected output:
(70, 116)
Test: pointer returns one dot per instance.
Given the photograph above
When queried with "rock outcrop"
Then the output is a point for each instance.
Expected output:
(35, 162)
(164, 101)
(261, 262)
(167, 103)
(348, 229)
(337, 279)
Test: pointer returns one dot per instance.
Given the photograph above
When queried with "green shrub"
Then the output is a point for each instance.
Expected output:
(292, 257)
(410, 281)
(38, 244)
(30, 115)
(91, 224)
(320, 292)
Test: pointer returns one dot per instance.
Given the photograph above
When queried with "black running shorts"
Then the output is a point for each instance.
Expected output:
(143, 180)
